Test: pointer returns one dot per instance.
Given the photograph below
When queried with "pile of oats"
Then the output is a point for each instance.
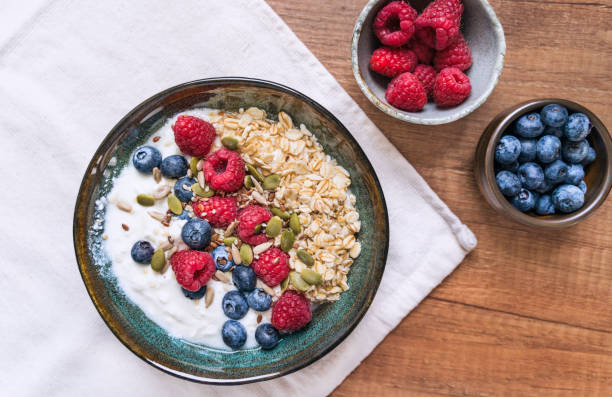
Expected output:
(312, 184)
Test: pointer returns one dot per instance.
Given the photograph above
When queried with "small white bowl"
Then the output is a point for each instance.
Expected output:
(483, 33)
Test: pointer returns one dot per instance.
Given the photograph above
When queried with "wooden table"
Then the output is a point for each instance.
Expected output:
(528, 312)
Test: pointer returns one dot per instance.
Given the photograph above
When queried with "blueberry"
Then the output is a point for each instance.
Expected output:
(577, 127)
(145, 158)
(267, 336)
(184, 216)
(554, 115)
(244, 278)
(508, 183)
(142, 252)
(528, 150)
(590, 157)
(174, 166)
(529, 125)
(575, 152)
(524, 201)
(185, 195)
(582, 185)
(544, 205)
(575, 174)
(531, 175)
(199, 294)
(507, 150)
(568, 198)
(512, 167)
(233, 333)
(544, 187)
(221, 257)
(196, 233)
(558, 132)
(259, 300)
(548, 148)
(556, 172)
(235, 305)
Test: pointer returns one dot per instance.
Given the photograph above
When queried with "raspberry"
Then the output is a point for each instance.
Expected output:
(272, 266)
(291, 312)
(193, 136)
(218, 211)
(439, 23)
(451, 87)
(391, 62)
(394, 23)
(427, 76)
(456, 55)
(249, 218)
(406, 92)
(423, 52)
(192, 268)
(224, 170)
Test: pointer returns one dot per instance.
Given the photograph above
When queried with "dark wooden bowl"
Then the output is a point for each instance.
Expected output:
(598, 176)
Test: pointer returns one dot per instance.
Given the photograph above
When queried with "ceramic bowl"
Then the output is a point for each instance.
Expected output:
(598, 175)
(485, 36)
(331, 322)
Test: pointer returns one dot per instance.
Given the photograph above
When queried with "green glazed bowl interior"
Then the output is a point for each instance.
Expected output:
(331, 322)
(598, 175)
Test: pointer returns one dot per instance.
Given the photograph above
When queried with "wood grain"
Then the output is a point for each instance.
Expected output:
(528, 312)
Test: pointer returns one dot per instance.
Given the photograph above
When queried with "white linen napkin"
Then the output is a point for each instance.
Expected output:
(69, 70)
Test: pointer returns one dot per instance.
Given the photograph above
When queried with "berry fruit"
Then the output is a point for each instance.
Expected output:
(224, 170)
(568, 198)
(544, 205)
(182, 189)
(259, 300)
(575, 152)
(394, 23)
(233, 334)
(507, 150)
(272, 266)
(548, 149)
(577, 127)
(451, 88)
(427, 76)
(423, 52)
(142, 252)
(196, 233)
(556, 172)
(249, 218)
(244, 278)
(456, 55)
(391, 62)
(145, 158)
(219, 211)
(553, 115)
(193, 135)
(234, 305)
(575, 174)
(192, 268)
(221, 258)
(199, 294)
(291, 312)
(438, 25)
(406, 92)
(508, 183)
(267, 336)
(174, 166)
(524, 201)
(529, 125)
(531, 175)
(590, 157)
(528, 150)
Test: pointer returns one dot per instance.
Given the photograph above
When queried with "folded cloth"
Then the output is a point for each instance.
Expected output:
(68, 72)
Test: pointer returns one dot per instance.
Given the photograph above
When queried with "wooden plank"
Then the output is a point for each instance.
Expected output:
(527, 313)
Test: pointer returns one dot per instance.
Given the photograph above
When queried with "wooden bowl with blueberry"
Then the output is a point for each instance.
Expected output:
(545, 163)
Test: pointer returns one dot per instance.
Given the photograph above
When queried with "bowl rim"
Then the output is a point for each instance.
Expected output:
(485, 172)
(411, 117)
(81, 206)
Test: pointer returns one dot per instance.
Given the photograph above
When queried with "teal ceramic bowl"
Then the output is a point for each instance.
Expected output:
(331, 322)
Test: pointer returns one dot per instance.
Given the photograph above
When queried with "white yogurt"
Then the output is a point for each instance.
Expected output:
(159, 295)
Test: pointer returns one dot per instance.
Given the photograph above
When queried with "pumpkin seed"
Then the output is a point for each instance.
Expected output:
(253, 171)
(175, 204)
(298, 282)
(257, 229)
(158, 260)
(228, 241)
(248, 182)
(287, 240)
(284, 284)
(193, 165)
(274, 226)
(197, 189)
(284, 215)
(246, 254)
(145, 200)
(294, 223)
(230, 142)
(311, 277)
(271, 182)
(305, 257)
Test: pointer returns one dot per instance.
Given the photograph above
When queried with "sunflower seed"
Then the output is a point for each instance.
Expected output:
(157, 175)
(123, 206)
(258, 249)
(210, 295)
(201, 180)
(259, 198)
(158, 216)
(161, 192)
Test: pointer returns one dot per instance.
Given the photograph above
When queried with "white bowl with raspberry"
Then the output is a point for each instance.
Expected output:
(427, 62)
